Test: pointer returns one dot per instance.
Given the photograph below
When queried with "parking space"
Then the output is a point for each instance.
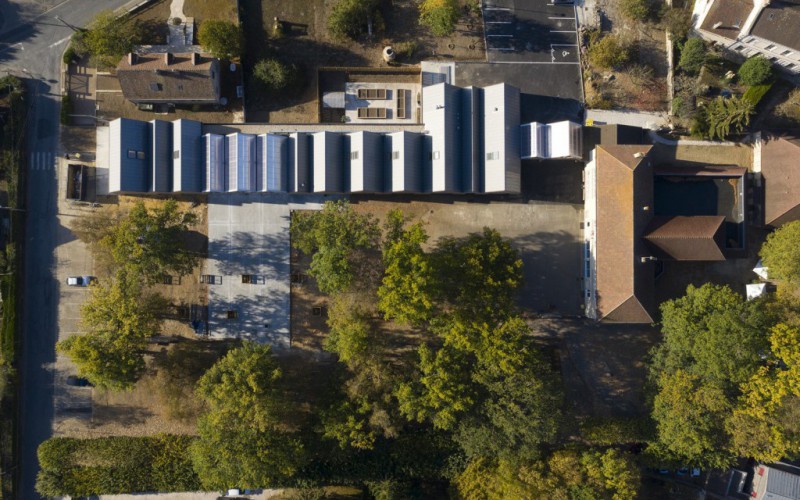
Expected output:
(530, 31)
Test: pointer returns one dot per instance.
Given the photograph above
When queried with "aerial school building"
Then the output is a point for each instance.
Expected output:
(471, 141)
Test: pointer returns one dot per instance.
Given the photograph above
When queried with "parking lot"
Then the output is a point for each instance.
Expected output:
(530, 31)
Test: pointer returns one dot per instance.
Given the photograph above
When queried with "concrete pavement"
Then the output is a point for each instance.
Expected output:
(32, 49)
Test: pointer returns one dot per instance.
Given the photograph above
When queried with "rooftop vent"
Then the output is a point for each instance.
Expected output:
(131, 58)
(717, 25)
(638, 155)
(167, 59)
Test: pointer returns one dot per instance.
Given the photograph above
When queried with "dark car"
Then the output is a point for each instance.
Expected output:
(76, 381)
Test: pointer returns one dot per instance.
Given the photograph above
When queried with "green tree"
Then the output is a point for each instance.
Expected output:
(243, 440)
(693, 56)
(275, 75)
(110, 37)
(636, 10)
(609, 52)
(756, 71)
(106, 358)
(223, 39)
(440, 16)
(405, 293)
(690, 420)
(728, 116)
(152, 242)
(120, 305)
(479, 275)
(350, 335)
(781, 254)
(350, 18)
(339, 239)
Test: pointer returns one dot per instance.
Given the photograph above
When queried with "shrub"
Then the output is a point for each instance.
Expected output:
(755, 71)
(222, 38)
(693, 56)
(677, 21)
(349, 18)
(70, 55)
(274, 75)
(66, 109)
(609, 52)
(637, 10)
(755, 93)
(440, 16)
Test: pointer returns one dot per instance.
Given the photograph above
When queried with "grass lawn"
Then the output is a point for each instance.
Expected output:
(202, 10)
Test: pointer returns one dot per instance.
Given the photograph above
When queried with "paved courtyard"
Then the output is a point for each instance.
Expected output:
(247, 268)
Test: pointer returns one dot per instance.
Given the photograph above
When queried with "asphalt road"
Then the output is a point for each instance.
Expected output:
(31, 44)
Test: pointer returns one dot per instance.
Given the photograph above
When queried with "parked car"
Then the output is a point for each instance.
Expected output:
(682, 471)
(695, 471)
(81, 280)
(76, 381)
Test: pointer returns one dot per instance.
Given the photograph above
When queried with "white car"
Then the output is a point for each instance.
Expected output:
(81, 280)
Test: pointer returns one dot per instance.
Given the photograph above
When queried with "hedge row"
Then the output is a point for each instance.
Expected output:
(118, 464)
(755, 93)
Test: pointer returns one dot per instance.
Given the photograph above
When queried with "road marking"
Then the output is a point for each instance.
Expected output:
(562, 18)
(559, 31)
(58, 42)
(504, 36)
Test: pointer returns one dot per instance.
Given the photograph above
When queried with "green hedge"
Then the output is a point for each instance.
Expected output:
(755, 93)
(118, 464)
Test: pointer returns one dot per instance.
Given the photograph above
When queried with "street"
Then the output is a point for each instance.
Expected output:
(31, 45)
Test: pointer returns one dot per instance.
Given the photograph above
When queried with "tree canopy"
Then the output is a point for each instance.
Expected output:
(693, 56)
(756, 71)
(350, 18)
(109, 37)
(636, 10)
(222, 39)
(781, 254)
(440, 16)
(609, 52)
(243, 441)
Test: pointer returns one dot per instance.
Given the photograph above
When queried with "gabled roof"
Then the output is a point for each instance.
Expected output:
(625, 284)
(687, 238)
(729, 16)
(169, 77)
(779, 22)
(780, 172)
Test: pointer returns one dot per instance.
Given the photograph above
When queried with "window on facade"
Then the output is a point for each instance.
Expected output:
(131, 153)
(354, 155)
(786, 52)
(435, 155)
(739, 48)
(176, 154)
(231, 314)
(494, 155)
(140, 155)
(790, 65)
(770, 46)
(395, 155)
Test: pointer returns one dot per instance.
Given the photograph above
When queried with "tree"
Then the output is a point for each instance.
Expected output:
(120, 305)
(222, 39)
(727, 116)
(350, 18)
(405, 292)
(152, 242)
(96, 225)
(109, 37)
(756, 71)
(339, 240)
(636, 10)
(350, 335)
(781, 254)
(274, 75)
(478, 275)
(690, 420)
(242, 438)
(693, 56)
(106, 358)
(440, 16)
(677, 21)
(609, 52)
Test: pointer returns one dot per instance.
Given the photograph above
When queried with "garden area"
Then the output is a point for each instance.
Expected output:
(282, 57)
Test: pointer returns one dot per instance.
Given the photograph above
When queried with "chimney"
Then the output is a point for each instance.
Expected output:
(167, 59)
(131, 58)
(195, 59)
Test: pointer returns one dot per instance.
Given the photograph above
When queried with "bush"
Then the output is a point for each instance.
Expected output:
(349, 18)
(677, 21)
(66, 109)
(274, 75)
(609, 52)
(613, 431)
(440, 16)
(222, 39)
(637, 10)
(755, 71)
(118, 464)
(693, 56)
(70, 55)
(755, 93)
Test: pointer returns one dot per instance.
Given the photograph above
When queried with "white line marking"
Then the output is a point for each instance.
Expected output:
(58, 43)
(558, 31)
(504, 36)
(562, 18)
